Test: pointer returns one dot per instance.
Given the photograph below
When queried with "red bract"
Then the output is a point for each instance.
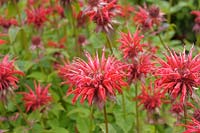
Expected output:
(193, 126)
(196, 114)
(140, 67)
(130, 44)
(150, 98)
(179, 74)
(37, 16)
(8, 80)
(34, 100)
(102, 14)
(196, 27)
(96, 80)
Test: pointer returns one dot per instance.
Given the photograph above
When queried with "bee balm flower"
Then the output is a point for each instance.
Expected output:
(96, 80)
(179, 74)
(8, 80)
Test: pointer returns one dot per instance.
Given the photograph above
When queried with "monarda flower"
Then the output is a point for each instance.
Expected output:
(103, 15)
(150, 98)
(147, 18)
(37, 17)
(131, 44)
(95, 80)
(196, 114)
(6, 23)
(8, 79)
(196, 27)
(177, 108)
(140, 67)
(35, 99)
(179, 74)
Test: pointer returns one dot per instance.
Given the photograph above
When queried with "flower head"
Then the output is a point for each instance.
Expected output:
(150, 98)
(179, 74)
(8, 79)
(140, 67)
(102, 14)
(177, 108)
(96, 80)
(130, 44)
(6, 23)
(34, 100)
(37, 16)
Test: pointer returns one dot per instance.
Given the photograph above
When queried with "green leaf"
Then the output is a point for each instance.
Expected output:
(83, 125)
(38, 76)
(60, 130)
(83, 112)
(12, 33)
(35, 116)
(20, 129)
(110, 128)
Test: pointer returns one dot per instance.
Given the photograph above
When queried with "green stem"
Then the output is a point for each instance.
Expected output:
(20, 111)
(162, 42)
(91, 119)
(109, 43)
(124, 105)
(137, 111)
(105, 118)
(185, 113)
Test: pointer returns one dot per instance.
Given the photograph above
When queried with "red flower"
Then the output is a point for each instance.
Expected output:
(96, 80)
(196, 27)
(147, 18)
(150, 98)
(34, 100)
(126, 11)
(141, 18)
(103, 14)
(130, 44)
(140, 67)
(179, 74)
(6, 23)
(193, 126)
(37, 16)
(8, 80)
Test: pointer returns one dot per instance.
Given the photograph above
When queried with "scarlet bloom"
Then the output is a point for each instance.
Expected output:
(140, 67)
(8, 80)
(193, 126)
(37, 16)
(141, 18)
(6, 23)
(96, 80)
(179, 74)
(196, 27)
(131, 44)
(147, 18)
(34, 100)
(150, 98)
(103, 14)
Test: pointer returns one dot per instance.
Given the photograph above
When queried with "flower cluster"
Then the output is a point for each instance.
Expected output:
(179, 74)
(8, 79)
(96, 80)
(150, 98)
(102, 13)
(35, 100)
(6, 23)
(147, 18)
